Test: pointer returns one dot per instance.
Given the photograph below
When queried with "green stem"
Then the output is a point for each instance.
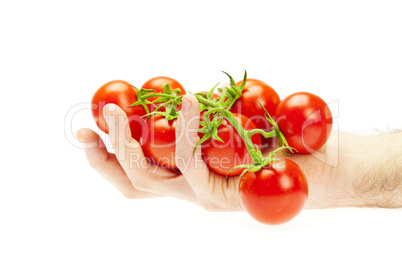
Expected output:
(144, 97)
(223, 96)
(206, 102)
(270, 134)
(257, 159)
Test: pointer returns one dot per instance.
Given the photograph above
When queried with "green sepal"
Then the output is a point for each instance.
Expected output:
(206, 136)
(255, 167)
(140, 101)
(211, 91)
(160, 99)
(243, 83)
(159, 107)
(215, 135)
(168, 116)
(232, 82)
(143, 91)
(177, 91)
(209, 129)
(239, 166)
(167, 89)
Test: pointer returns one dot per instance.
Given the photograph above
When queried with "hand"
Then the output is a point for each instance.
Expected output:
(344, 173)
(141, 179)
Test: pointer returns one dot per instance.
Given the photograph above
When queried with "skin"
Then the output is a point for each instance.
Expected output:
(351, 170)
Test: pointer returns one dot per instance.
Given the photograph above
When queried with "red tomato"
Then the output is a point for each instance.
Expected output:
(276, 193)
(123, 95)
(157, 83)
(257, 91)
(159, 141)
(305, 120)
(221, 157)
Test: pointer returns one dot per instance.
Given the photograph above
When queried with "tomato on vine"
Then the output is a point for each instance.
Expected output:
(232, 125)
(257, 92)
(231, 151)
(159, 141)
(305, 120)
(157, 83)
(123, 95)
(276, 193)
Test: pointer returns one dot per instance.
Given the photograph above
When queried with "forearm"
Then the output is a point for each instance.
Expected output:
(379, 181)
(355, 171)
(358, 171)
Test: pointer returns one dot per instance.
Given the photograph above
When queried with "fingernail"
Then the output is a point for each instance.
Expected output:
(185, 105)
(110, 107)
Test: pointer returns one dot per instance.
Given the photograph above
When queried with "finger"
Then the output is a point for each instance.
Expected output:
(138, 162)
(128, 150)
(125, 147)
(107, 165)
(191, 165)
(143, 174)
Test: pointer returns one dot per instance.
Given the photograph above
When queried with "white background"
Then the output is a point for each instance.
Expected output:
(55, 211)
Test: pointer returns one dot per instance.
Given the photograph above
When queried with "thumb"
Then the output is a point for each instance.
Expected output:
(191, 165)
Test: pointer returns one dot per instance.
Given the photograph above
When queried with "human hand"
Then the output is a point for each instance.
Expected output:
(134, 176)
(342, 174)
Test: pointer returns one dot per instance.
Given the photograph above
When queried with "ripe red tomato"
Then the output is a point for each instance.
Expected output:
(276, 193)
(257, 91)
(123, 95)
(221, 157)
(305, 120)
(159, 141)
(157, 83)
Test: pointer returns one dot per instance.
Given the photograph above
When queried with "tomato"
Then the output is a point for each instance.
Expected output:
(157, 83)
(159, 141)
(256, 91)
(123, 95)
(305, 120)
(221, 157)
(276, 193)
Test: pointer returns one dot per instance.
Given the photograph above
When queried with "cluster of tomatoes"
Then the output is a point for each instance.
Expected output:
(237, 123)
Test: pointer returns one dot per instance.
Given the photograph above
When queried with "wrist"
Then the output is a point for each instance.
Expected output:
(379, 182)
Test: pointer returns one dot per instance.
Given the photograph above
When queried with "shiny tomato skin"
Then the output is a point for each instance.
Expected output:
(123, 95)
(305, 120)
(156, 83)
(276, 193)
(256, 91)
(159, 141)
(221, 157)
